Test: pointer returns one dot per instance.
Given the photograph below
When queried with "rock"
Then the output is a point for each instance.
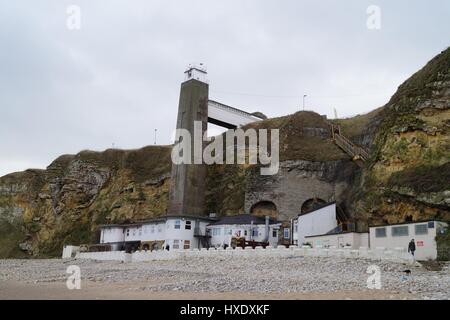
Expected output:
(26, 246)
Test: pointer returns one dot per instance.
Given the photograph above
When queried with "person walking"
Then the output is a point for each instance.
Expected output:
(412, 247)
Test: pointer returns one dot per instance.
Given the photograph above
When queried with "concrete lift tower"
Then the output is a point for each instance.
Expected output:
(187, 187)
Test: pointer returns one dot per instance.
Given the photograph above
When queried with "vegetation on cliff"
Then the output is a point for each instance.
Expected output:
(407, 176)
(42, 210)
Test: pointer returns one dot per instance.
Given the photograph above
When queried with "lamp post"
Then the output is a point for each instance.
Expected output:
(304, 96)
(155, 135)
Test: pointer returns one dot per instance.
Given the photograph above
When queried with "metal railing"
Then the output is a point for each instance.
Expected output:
(345, 144)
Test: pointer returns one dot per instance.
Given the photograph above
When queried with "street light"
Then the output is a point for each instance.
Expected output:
(304, 96)
(155, 135)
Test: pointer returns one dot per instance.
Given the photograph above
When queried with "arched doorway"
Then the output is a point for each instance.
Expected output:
(264, 208)
(311, 204)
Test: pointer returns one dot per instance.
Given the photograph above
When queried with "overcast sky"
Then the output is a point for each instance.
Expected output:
(115, 80)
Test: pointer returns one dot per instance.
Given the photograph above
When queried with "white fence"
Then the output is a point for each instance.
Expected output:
(396, 255)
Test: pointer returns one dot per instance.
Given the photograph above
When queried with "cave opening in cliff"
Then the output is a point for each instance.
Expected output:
(312, 204)
(264, 208)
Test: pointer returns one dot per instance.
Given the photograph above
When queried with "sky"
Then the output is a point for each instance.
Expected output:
(115, 79)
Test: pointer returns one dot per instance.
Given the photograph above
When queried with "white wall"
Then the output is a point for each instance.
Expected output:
(70, 251)
(153, 231)
(355, 240)
(133, 233)
(182, 234)
(158, 231)
(238, 253)
(112, 234)
(317, 222)
(425, 243)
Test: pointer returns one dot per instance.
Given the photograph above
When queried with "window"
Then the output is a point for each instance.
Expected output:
(177, 224)
(254, 232)
(431, 224)
(152, 230)
(160, 228)
(421, 229)
(380, 232)
(128, 232)
(216, 231)
(245, 233)
(295, 227)
(400, 231)
(187, 226)
(228, 231)
(176, 244)
(140, 232)
(274, 233)
(187, 244)
(134, 232)
(286, 233)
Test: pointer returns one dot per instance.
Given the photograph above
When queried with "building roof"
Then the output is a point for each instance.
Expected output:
(236, 110)
(159, 219)
(243, 219)
(317, 207)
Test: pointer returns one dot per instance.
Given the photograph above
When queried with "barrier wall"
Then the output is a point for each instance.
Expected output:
(395, 255)
(70, 251)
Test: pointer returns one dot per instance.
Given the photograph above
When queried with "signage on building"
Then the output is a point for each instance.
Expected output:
(420, 243)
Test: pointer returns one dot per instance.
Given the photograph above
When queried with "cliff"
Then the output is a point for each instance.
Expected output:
(42, 210)
(408, 175)
(406, 178)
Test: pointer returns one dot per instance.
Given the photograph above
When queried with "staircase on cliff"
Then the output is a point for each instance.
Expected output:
(358, 153)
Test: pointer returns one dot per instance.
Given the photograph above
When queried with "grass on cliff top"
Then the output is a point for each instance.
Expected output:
(146, 163)
(26, 175)
(423, 178)
(417, 84)
(294, 144)
(149, 162)
(357, 125)
(32, 179)
(399, 111)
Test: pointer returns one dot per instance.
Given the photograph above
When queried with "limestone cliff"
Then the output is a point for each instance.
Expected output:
(41, 210)
(407, 176)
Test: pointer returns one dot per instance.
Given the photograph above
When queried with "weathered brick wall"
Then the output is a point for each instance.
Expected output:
(298, 181)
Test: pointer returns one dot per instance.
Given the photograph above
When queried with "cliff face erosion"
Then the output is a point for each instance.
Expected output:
(406, 178)
(408, 175)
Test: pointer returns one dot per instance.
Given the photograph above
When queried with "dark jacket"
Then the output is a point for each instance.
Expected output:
(411, 246)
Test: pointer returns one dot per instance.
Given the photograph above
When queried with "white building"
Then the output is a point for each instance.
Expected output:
(346, 239)
(317, 221)
(113, 234)
(252, 228)
(399, 235)
(177, 232)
